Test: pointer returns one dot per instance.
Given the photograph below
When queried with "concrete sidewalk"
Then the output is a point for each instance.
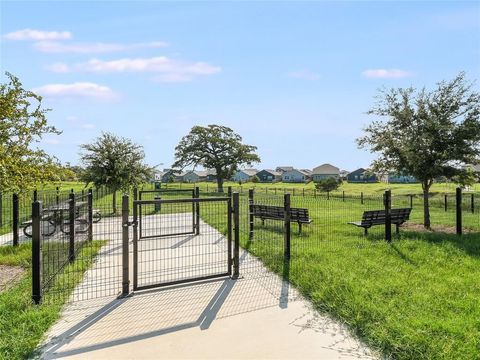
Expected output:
(258, 316)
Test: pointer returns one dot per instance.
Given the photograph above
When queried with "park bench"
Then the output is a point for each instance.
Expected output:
(268, 212)
(377, 217)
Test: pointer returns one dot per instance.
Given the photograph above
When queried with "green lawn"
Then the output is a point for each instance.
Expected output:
(416, 298)
(349, 188)
(23, 324)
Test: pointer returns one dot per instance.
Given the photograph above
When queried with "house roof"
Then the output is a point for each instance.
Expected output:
(284, 168)
(326, 169)
(273, 172)
(358, 171)
(249, 172)
(301, 171)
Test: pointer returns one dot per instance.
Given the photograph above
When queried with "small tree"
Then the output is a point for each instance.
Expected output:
(23, 122)
(255, 179)
(328, 184)
(171, 179)
(214, 147)
(427, 134)
(116, 162)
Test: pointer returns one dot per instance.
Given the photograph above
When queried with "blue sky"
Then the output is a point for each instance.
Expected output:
(293, 78)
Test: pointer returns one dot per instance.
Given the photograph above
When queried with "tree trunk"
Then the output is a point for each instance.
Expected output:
(426, 205)
(220, 184)
(114, 202)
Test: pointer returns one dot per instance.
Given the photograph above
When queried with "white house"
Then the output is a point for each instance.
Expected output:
(194, 176)
(325, 171)
(244, 175)
(296, 176)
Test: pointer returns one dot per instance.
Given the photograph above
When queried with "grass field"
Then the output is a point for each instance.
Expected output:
(416, 298)
(22, 324)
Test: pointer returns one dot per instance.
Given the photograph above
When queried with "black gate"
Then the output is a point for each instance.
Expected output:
(182, 240)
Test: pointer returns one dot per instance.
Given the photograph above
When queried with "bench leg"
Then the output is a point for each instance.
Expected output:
(263, 222)
(299, 228)
(397, 229)
(365, 231)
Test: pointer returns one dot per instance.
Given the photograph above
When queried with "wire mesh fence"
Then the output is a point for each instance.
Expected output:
(179, 239)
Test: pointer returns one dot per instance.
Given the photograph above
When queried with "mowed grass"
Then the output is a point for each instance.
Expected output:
(23, 324)
(416, 298)
(349, 188)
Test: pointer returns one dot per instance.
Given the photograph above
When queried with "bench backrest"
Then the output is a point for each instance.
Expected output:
(277, 212)
(397, 216)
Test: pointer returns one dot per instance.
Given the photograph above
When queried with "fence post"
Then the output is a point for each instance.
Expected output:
(343, 196)
(90, 214)
(71, 225)
(250, 213)
(57, 195)
(15, 216)
(303, 192)
(36, 252)
(197, 211)
(286, 207)
(236, 234)
(387, 199)
(446, 201)
(1, 209)
(411, 201)
(35, 195)
(361, 198)
(472, 203)
(125, 252)
(458, 199)
(229, 230)
(328, 195)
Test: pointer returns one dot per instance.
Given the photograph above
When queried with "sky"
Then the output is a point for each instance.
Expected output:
(294, 79)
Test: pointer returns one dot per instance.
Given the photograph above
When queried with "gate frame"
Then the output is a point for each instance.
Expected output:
(232, 261)
(137, 195)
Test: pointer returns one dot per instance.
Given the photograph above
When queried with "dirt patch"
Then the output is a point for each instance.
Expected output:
(9, 276)
(435, 229)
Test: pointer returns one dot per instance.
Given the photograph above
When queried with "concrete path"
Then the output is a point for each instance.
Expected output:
(255, 317)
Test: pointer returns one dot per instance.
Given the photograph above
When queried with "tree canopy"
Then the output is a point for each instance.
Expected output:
(214, 147)
(114, 161)
(427, 134)
(23, 122)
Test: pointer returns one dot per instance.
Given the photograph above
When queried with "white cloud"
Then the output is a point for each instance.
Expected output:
(167, 70)
(304, 74)
(78, 89)
(38, 35)
(91, 48)
(386, 73)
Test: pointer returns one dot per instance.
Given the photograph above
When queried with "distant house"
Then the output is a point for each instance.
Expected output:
(211, 175)
(177, 175)
(244, 175)
(475, 169)
(361, 176)
(401, 179)
(296, 176)
(344, 174)
(157, 176)
(194, 176)
(325, 171)
(282, 169)
(268, 175)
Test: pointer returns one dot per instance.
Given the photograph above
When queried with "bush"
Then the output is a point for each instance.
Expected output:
(255, 179)
(328, 184)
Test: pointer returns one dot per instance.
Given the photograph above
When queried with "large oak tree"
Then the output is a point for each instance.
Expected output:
(427, 134)
(214, 147)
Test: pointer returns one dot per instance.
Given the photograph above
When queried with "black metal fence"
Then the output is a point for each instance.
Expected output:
(79, 249)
